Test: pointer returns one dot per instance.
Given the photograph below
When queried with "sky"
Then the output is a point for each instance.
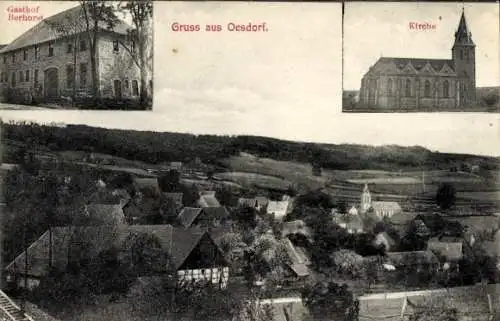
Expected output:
(379, 29)
(284, 83)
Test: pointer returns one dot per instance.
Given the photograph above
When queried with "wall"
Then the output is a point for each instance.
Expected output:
(116, 66)
(59, 60)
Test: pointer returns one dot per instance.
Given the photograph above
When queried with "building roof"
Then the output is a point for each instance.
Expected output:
(292, 311)
(208, 201)
(189, 214)
(278, 208)
(297, 254)
(463, 35)
(45, 30)
(247, 202)
(106, 213)
(262, 200)
(178, 242)
(451, 249)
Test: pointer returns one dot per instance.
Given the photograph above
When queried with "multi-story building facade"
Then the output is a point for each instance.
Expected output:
(424, 84)
(53, 60)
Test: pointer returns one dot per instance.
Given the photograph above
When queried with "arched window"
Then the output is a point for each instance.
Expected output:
(427, 89)
(408, 88)
(446, 89)
(389, 87)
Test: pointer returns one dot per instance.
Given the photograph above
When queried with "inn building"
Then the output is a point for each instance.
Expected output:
(51, 58)
(395, 83)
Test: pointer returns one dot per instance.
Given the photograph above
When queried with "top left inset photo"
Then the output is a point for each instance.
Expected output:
(76, 55)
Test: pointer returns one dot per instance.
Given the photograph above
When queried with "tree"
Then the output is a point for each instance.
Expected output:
(144, 254)
(246, 217)
(342, 207)
(170, 181)
(445, 196)
(142, 14)
(95, 15)
(327, 301)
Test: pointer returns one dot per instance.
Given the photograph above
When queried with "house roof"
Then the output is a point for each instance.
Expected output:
(451, 250)
(293, 311)
(178, 242)
(189, 214)
(247, 202)
(106, 213)
(278, 208)
(300, 269)
(45, 30)
(263, 201)
(208, 201)
(297, 255)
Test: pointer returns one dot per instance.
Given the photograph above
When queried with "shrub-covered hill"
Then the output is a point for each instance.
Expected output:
(155, 147)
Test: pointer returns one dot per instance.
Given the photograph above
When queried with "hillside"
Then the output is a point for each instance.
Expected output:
(154, 148)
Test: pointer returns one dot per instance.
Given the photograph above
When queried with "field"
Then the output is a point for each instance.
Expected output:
(472, 189)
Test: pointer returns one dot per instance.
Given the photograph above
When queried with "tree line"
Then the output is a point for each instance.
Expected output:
(156, 147)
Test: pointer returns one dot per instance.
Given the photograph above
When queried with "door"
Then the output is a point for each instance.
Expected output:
(51, 82)
(118, 89)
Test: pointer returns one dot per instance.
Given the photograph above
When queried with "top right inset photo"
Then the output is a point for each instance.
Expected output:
(421, 57)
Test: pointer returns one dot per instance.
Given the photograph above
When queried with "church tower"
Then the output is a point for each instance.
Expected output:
(464, 58)
(366, 200)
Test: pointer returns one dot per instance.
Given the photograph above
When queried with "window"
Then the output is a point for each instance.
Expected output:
(25, 54)
(5, 59)
(69, 48)
(461, 55)
(83, 75)
(135, 88)
(125, 84)
(83, 45)
(132, 45)
(35, 77)
(37, 52)
(13, 78)
(27, 75)
(13, 57)
(116, 46)
(389, 87)
(51, 49)
(408, 88)
(427, 89)
(21, 78)
(446, 89)
(70, 76)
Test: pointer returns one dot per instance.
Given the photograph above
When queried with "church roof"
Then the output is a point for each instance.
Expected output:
(418, 63)
(463, 36)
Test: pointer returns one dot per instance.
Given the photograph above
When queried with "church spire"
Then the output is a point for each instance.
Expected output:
(463, 36)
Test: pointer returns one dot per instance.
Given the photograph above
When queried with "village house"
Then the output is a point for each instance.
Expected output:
(450, 249)
(193, 252)
(258, 203)
(298, 264)
(147, 187)
(280, 209)
(352, 223)
(176, 198)
(46, 62)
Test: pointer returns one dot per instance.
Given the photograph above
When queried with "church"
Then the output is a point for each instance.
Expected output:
(423, 84)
